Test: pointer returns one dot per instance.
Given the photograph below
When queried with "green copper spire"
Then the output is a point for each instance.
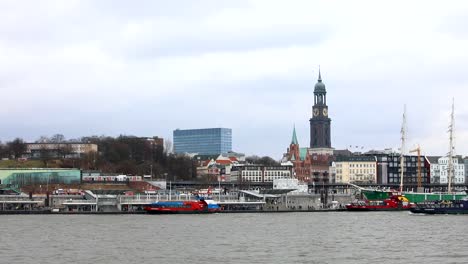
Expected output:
(320, 76)
(320, 86)
(294, 137)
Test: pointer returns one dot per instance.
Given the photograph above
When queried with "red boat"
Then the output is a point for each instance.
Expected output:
(178, 207)
(393, 203)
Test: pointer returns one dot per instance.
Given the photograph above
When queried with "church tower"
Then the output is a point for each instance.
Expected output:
(320, 140)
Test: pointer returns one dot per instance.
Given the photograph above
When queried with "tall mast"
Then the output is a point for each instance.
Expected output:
(450, 154)
(402, 150)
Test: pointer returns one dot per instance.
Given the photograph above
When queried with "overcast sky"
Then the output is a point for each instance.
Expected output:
(145, 68)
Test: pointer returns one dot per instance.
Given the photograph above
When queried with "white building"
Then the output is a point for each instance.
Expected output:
(284, 184)
(259, 173)
(439, 171)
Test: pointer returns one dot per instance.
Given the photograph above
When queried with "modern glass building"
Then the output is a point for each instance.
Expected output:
(205, 141)
(21, 177)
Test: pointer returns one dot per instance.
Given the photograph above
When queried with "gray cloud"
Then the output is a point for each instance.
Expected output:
(111, 67)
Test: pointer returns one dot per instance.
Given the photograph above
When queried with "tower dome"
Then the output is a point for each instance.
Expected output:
(320, 86)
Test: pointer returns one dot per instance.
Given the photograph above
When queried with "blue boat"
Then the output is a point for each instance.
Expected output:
(441, 207)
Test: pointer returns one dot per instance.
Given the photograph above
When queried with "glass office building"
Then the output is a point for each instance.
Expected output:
(207, 141)
(22, 177)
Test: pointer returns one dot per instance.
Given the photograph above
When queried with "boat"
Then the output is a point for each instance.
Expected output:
(414, 197)
(393, 203)
(179, 207)
(441, 207)
(213, 207)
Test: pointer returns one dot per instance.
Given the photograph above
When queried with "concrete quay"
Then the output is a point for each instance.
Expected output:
(239, 202)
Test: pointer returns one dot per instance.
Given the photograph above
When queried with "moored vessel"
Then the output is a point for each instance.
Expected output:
(393, 203)
(180, 207)
(414, 197)
(442, 207)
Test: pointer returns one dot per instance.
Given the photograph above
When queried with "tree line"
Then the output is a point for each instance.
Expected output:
(124, 154)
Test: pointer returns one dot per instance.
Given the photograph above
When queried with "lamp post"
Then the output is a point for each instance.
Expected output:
(151, 171)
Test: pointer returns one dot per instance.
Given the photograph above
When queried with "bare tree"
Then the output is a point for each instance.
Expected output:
(167, 146)
(43, 139)
(45, 154)
(57, 138)
(3, 150)
(64, 150)
(16, 147)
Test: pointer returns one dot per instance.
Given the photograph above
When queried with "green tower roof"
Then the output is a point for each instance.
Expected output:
(320, 86)
(294, 137)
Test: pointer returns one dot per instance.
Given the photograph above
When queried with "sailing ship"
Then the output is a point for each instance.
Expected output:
(418, 197)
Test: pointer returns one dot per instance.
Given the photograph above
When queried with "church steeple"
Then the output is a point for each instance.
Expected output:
(320, 122)
(294, 137)
(320, 93)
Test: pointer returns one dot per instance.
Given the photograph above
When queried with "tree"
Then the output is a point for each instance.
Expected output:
(16, 147)
(265, 160)
(43, 139)
(64, 150)
(268, 161)
(167, 146)
(252, 159)
(45, 154)
(3, 150)
(57, 138)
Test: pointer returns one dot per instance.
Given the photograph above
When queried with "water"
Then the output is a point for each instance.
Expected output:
(334, 237)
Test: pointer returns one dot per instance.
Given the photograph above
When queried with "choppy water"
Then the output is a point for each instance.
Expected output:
(336, 237)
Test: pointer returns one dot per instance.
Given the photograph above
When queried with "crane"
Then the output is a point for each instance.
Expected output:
(418, 150)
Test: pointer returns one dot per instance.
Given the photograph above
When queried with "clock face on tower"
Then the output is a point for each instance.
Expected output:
(325, 112)
(316, 112)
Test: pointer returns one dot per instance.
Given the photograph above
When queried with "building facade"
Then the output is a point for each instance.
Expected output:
(259, 173)
(356, 169)
(22, 177)
(389, 169)
(308, 166)
(59, 150)
(439, 171)
(206, 141)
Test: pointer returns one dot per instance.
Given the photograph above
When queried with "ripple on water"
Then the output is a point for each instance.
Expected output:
(383, 237)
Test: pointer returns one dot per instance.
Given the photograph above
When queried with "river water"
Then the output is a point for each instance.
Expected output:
(331, 237)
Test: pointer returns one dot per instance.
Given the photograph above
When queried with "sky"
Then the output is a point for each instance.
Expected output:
(146, 68)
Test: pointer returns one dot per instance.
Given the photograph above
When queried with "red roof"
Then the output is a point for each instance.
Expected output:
(223, 162)
(233, 159)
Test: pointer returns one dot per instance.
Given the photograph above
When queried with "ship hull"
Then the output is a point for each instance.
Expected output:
(441, 207)
(182, 207)
(412, 197)
(375, 209)
(177, 212)
(438, 211)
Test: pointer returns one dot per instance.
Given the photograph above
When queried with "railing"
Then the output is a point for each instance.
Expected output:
(165, 197)
(79, 202)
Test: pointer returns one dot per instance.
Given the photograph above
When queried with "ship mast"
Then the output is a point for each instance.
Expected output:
(402, 150)
(450, 154)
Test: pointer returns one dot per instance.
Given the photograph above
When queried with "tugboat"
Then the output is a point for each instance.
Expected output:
(394, 203)
(442, 207)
